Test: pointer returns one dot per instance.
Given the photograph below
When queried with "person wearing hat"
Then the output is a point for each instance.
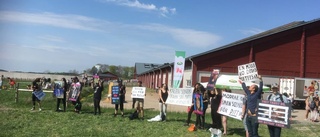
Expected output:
(275, 131)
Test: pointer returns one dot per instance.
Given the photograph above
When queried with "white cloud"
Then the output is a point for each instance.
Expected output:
(163, 11)
(189, 37)
(52, 38)
(65, 21)
(251, 31)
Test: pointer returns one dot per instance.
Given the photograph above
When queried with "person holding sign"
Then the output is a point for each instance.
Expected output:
(163, 95)
(35, 88)
(74, 94)
(216, 96)
(97, 96)
(191, 108)
(121, 100)
(253, 94)
(275, 131)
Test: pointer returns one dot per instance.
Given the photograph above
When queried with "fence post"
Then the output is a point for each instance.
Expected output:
(17, 92)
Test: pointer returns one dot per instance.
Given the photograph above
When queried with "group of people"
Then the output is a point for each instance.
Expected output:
(249, 109)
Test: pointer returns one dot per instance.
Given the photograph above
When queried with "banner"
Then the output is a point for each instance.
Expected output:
(178, 68)
(39, 94)
(213, 79)
(74, 91)
(138, 92)
(180, 96)
(248, 72)
(231, 105)
(115, 97)
(274, 113)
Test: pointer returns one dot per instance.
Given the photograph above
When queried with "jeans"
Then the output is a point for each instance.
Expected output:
(252, 125)
(163, 109)
(274, 131)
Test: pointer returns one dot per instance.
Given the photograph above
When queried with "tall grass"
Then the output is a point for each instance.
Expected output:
(16, 119)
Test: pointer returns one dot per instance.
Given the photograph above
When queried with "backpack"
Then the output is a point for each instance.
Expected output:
(134, 115)
(281, 98)
(312, 105)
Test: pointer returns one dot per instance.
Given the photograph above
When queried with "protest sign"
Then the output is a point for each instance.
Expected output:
(213, 79)
(74, 91)
(274, 113)
(138, 92)
(231, 105)
(115, 97)
(248, 72)
(180, 96)
(58, 92)
(39, 94)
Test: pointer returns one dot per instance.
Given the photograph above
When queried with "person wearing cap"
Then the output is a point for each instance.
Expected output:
(275, 131)
(253, 94)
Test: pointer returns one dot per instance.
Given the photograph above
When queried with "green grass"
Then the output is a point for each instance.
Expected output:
(16, 119)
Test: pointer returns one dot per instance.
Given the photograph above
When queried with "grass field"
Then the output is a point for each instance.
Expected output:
(18, 120)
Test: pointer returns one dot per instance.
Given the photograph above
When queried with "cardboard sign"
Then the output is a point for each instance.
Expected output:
(248, 72)
(39, 94)
(74, 91)
(274, 113)
(231, 105)
(138, 92)
(58, 92)
(180, 96)
(115, 97)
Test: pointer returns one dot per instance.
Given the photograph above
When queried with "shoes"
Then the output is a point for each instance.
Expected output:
(114, 115)
(32, 108)
(40, 109)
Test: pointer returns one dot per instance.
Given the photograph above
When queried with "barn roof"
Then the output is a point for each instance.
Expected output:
(273, 31)
(143, 67)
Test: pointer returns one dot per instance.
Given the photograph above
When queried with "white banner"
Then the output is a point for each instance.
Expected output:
(231, 105)
(248, 72)
(180, 96)
(178, 68)
(138, 92)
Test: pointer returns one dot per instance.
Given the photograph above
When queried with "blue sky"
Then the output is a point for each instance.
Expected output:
(63, 35)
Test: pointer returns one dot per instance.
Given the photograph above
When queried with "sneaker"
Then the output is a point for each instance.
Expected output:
(40, 109)
(32, 109)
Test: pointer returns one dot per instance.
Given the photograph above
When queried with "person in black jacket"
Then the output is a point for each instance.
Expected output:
(121, 99)
(97, 97)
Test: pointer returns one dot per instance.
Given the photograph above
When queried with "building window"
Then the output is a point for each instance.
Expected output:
(189, 83)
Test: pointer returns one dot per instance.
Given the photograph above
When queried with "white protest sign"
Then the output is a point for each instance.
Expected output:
(231, 105)
(180, 96)
(274, 113)
(138, 92)
(248, 72)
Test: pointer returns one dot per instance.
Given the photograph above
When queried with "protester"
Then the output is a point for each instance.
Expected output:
(205, 94)
(65, 87)
(1, 81)
(216, 96)
(97, 97)
(57, 92)
(191, 108)
(314, 110)
(35, 87)
(140, 105)
(121, 100)
(163, 95)
(12, 82)
(244, 114)
(76, 88)
(275, 131)
(224, 117)
(253, 93)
